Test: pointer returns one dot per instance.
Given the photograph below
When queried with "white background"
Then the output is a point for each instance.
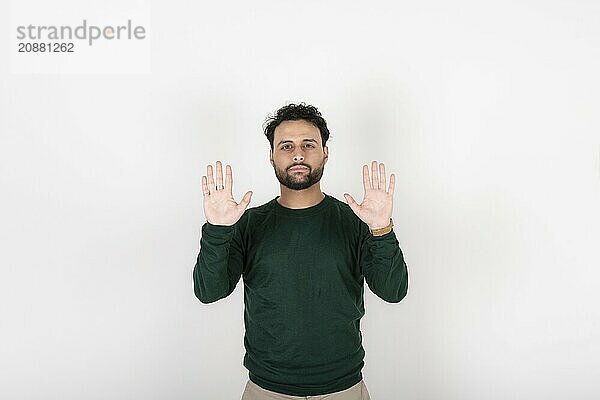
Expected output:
(487, 112)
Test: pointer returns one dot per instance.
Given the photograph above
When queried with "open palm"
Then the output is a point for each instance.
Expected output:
(376, 207)
(219, 206)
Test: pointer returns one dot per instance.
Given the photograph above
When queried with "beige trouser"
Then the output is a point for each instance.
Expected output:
(356, 392)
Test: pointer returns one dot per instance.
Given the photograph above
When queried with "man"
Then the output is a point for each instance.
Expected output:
(304, 257)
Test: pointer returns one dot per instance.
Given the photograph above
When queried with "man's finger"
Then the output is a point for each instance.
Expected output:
(392, 184)
(382, 176)
(366, 181)
(219, 174)
(205, 190)
(211, 181)
(375, 175)
(228, 178)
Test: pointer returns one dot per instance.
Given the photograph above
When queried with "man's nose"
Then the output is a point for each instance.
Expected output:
(298, 157)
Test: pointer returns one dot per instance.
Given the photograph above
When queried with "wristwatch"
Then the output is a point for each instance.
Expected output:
(382, 231)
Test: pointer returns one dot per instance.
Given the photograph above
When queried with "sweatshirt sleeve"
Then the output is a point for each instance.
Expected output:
(382, 264)
(220, 261)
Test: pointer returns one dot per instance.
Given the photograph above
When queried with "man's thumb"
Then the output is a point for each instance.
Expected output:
(350, 201)
(246, 198)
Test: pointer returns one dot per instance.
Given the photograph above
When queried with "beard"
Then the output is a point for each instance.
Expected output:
(299, 180)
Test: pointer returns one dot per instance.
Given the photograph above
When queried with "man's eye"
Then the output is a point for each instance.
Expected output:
(288, 146)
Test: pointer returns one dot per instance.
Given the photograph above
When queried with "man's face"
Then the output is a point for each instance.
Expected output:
(298, 143)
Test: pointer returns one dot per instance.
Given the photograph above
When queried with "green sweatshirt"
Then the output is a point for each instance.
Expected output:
(303, 275)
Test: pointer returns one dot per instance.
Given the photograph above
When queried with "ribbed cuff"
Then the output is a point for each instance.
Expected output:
(218, 232)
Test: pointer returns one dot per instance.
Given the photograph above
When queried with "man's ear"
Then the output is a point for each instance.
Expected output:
(326, 151)
(271, 157)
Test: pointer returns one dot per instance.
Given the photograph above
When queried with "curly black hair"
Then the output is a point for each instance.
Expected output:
(294, 112)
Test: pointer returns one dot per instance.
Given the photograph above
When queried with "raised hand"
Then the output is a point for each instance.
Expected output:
(377, 204)
(219, 206)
